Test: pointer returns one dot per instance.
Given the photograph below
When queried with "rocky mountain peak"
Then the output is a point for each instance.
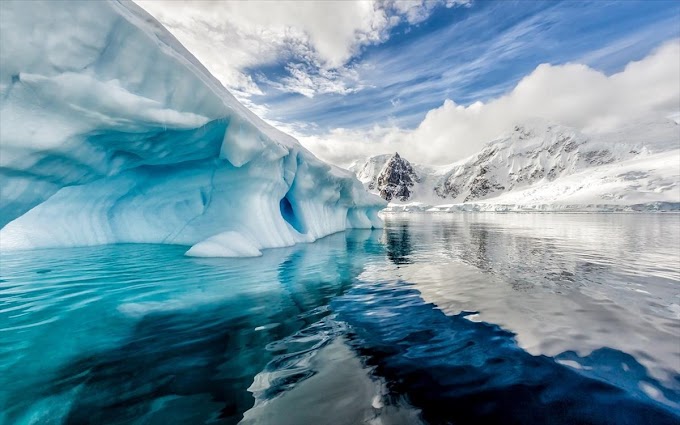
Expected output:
(396, 179)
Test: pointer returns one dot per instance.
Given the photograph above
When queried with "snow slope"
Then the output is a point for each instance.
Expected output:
(541, 166)
(111, 131)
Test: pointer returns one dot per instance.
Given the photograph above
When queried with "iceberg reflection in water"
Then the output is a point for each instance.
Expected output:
(442, 319)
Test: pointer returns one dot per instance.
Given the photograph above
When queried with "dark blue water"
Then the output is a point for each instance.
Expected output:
(445, 319)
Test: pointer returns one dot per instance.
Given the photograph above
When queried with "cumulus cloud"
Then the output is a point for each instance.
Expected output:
(570, 94)
(314, 40)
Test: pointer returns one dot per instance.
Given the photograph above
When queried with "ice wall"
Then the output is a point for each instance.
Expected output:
(111, 131)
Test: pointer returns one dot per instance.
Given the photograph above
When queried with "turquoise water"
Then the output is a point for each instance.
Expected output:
(452, 318)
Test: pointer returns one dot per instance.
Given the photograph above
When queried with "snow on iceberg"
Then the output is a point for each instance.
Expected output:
(112, 132)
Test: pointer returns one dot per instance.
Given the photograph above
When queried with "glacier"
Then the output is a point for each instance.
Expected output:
(112, 132)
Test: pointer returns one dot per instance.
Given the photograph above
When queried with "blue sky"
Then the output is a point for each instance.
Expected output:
(474, 53)
(357, 78)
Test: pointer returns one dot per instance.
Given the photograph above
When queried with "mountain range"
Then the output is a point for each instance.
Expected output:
(541, 166)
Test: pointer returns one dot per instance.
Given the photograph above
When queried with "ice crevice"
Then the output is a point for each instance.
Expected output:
(114, 133)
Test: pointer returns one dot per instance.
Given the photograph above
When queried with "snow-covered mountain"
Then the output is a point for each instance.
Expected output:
(544, 166)
(390, 176)
(111, 132)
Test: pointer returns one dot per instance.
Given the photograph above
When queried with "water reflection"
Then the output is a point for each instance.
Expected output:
(559, 282)
(397, 241)
(198, 337)
(461, 371)
(447, 319)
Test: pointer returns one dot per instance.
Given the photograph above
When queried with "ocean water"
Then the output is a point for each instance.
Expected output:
(438, 318)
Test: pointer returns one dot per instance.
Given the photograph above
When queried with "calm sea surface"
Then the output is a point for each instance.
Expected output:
(438, 318)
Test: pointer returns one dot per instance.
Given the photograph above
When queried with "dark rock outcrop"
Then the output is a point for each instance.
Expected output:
(396, 179)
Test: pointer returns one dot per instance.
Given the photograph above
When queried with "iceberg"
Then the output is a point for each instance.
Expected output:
(112, 132)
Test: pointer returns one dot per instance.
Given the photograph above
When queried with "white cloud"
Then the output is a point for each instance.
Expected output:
(309, 80)
(314, 39)
(342, 146)
(416, 11)
(570, 94)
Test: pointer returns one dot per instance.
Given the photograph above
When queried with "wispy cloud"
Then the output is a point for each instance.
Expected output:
(311, 42)
(475, 54)
(309, 80)
(352, 78)
(570, 94)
